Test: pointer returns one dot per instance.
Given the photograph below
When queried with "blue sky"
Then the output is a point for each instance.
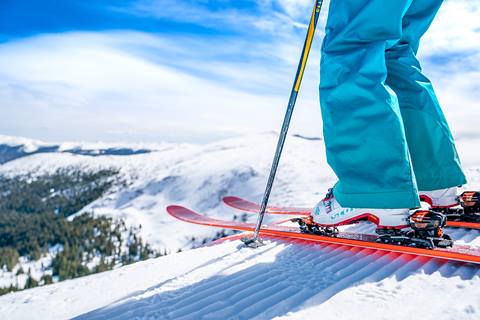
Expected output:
(193, 71)
(24, 18)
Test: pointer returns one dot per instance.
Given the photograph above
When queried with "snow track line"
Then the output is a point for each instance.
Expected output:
(301, 274)
(241, 284)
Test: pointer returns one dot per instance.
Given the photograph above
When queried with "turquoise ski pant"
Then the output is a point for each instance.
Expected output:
(385, 134)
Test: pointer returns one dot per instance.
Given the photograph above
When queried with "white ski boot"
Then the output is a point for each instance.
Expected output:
(464, 207)
(329, 213)
(422, 228)
(441, 198)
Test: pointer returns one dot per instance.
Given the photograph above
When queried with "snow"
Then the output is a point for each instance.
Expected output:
(287, 280)
(31, 145)
(197, 176)
(28, 145)
(284, 280)
(36, 269)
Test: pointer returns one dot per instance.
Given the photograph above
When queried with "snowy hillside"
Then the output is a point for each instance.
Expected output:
(289, 280)
(197, 176)
(282, 280)
(194, 175)
(12, 148)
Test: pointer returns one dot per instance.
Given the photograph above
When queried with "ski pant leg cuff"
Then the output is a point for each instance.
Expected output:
(452, 176)
(383, 200)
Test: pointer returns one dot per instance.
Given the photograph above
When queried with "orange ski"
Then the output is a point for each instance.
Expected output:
(456, 253)
(251, 207)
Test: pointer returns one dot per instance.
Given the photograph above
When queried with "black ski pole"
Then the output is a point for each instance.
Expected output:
(255, 241)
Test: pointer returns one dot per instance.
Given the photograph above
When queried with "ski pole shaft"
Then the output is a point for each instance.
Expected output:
(288, 115)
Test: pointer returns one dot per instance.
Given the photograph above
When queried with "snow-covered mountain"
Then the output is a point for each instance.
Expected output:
(197, 176)
(12, 148)
(193, 175)
(283, 279)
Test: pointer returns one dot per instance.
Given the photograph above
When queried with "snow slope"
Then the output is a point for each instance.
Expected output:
(288, 280)
(198, 176)
(282, 280)
(193, 175)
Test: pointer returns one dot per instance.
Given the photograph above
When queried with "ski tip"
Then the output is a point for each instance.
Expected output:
(173, 208)
(230, 199)
(184, 214)
(179, 212)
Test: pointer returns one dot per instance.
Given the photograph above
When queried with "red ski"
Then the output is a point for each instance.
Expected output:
(251, 207)
(456, 253)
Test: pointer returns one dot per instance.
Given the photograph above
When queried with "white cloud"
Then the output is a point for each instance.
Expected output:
(450, 56)
(95, 85)
(277, 17)
(139, 86)
(296, 8)
(455, 29)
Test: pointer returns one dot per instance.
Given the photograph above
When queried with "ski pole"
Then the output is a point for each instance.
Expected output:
(255, 241)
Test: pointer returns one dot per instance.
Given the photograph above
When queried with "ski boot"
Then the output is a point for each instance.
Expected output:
(422, 229)
(465, 207)
(441, 199)
(328, 214)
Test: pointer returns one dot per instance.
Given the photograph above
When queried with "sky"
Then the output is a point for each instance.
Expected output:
(193, 70)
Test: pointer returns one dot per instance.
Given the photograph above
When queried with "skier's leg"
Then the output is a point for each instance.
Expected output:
(363, 130)
(431, 145)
